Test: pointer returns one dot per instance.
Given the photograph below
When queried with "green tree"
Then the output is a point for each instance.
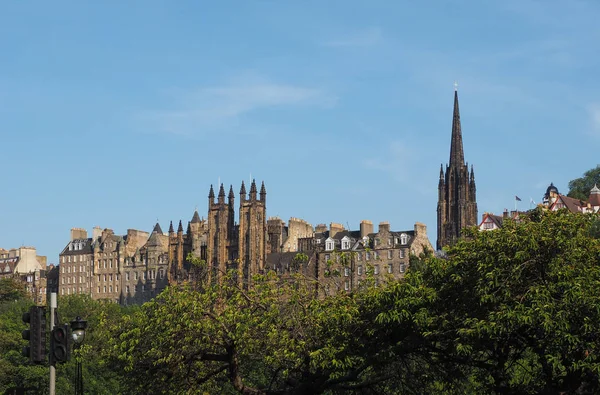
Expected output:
(579, 188)
(514, 310)
(11, 289)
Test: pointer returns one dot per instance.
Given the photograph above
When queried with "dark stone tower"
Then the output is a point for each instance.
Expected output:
(218, 243)
(457, 202)
(252, 231)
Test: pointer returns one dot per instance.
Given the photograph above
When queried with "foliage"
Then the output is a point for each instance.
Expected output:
(11, 289)
(579, 188)
(516, 310)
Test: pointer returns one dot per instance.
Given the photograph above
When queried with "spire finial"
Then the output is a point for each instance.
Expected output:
(455, 86)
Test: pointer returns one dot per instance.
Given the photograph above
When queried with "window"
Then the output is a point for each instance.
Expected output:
(135, 275)
(390, 241)
(347, 285)
(359, 270)
(110, 288)
(488, 225)
(390, 269)
(127, 288)
(116, 288)
(376, 269)
(110, 277)
(390, 254)
(105, 289)
(345, 244)
(402, 268)
(402, 253)
(105, 277)
(162, 274)
(110, 263)
(104, 263)
(403, 238)
(98, 289)
(117, 277)
(127, 276)
(327, 258)
(69, 280)
(367, 255)
(63, 268)
(69, 269)
(143, 275)
(375, 255)
(359, 256)
(329, 245)
(63, 281)
(346, 271)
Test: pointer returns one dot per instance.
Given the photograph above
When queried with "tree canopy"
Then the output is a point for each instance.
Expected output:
(510, 311)
(579, 188)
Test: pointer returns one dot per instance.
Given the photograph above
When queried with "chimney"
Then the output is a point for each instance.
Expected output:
(321, 228)
(78, 233)
(420, 229)
(384, 227)
(366, 227)
(505, 213)
(96, 233)
(513, 214)
(335, 228)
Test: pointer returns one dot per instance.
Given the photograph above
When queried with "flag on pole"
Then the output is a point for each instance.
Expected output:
(517, 198)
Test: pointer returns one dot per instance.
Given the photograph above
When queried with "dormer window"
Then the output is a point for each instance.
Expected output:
(403, 239)
(345, 243)
(329, 245)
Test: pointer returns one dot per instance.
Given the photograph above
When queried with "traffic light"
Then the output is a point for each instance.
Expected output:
(36, 334)
(59, 344)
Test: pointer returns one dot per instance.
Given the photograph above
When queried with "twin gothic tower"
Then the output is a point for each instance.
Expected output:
(457, 201)
(240, 246)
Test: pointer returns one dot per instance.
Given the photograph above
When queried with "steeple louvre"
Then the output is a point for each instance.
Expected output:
(457, 155)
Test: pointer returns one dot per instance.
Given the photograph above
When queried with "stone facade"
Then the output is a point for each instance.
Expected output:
(24, 264)
(131, 268)
(457, 200)
(343, 258)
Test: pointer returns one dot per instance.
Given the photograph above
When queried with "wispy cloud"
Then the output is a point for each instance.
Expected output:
(221, 106)
(364, 38)
(594, 113)
(395, 161)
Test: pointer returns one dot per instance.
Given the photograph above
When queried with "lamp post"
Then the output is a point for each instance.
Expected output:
(78, 333)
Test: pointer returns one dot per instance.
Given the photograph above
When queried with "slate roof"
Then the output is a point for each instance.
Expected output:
(87, 247)
(196, 217)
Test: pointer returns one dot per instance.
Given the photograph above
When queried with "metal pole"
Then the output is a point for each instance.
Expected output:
(52, 368)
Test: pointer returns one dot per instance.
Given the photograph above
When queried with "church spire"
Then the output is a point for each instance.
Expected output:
(457, 155)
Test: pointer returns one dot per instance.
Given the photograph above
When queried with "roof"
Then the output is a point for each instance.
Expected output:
(196, 217)
(572, 204)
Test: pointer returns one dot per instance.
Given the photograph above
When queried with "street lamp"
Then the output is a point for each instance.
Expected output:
(78, 333)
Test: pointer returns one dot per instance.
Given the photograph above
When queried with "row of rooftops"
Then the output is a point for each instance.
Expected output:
(553, 200)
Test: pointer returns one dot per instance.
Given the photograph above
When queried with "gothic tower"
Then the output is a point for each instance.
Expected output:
(252, 231)
(218, 243)
(457, 202)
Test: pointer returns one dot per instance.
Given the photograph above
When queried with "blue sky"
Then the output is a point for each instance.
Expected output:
(118, 113)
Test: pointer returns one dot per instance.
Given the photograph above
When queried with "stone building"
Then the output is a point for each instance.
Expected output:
(24, 264)
(131, 268)
(457, 200)
(343, 257)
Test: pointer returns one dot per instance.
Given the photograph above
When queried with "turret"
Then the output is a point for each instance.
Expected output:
(221, 198)
(231, 195)
(253, 191)
(243, 194)
(211, 196)
(263, 192)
